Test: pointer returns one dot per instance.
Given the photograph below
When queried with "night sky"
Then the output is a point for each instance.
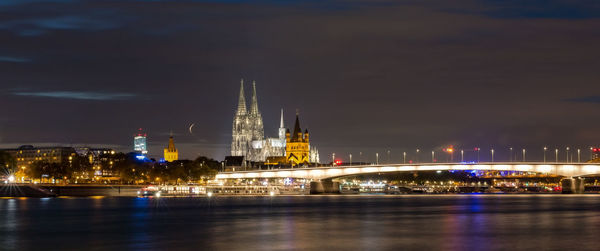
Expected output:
(366, 76)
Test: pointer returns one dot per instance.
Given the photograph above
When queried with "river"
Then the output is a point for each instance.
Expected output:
(336, 222)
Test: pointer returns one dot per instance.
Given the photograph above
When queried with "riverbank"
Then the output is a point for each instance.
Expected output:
(82, 190)
(52, 190)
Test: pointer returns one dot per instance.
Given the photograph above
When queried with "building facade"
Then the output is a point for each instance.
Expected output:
(170, 152)
(27, 154)
(248, 139)
(139, 142)
(297, 146)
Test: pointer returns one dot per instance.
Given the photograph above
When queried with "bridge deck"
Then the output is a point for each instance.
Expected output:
(563, 169)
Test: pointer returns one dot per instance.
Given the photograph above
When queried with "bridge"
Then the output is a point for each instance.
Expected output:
(573, 172)
(321, 173)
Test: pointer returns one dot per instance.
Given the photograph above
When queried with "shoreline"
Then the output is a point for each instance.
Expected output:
(91, 190)
(300, 195)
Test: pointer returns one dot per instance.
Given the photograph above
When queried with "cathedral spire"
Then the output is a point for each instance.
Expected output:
(282, 128)
(254, 106)
(281, 122)
(241, 110)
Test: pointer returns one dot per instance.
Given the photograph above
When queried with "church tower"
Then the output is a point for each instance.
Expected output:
(171, 153)
(297, 145)
(241, 123)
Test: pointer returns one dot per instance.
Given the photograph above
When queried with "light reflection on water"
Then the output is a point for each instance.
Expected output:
(455, 222)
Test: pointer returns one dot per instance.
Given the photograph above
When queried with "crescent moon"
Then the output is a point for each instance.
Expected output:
(190, 129)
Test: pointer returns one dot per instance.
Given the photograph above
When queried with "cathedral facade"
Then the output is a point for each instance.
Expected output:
(248, 137)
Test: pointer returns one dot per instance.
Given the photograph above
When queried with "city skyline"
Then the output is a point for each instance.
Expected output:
(376, 77)
(299, 125)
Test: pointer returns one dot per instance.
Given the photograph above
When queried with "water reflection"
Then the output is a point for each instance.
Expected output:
(8, 223)
(461, 222)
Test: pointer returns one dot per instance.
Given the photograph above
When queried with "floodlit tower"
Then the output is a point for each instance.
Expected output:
(297, 146)
(241, 124)
(171, 153)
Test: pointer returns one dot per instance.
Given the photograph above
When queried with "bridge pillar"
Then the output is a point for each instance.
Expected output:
(573, 185)
(324, 186)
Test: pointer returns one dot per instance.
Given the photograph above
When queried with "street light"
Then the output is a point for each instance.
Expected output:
(567, 154)
(404, 159)
(417, 158)
(511, 154)
(545, 148)
(523, 154)
(333, 159)
(462, 156)
(377, 158)
(556, 151)
(492, 154)
(450, 150)
(579, 155)
(432, 156)
(477, 149)
(350, 159)
(389, 160)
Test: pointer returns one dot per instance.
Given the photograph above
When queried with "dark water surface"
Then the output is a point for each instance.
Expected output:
(454, 222)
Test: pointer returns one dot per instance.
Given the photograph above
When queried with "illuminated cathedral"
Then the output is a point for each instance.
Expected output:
(248, 138)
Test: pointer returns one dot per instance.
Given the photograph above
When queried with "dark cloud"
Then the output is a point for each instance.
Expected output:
(366, 75)
(588, 99)
(25, 2)
(14, 59)
(91, 21)
(579, 9)
(78, 95)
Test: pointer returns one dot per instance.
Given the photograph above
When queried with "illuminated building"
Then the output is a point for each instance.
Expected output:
(85, 151)
(248, 135)
(139, 142)
(248, 132)
(313, 155)
(171, 152)
(27, 154)
(94, 155)
(297, 145)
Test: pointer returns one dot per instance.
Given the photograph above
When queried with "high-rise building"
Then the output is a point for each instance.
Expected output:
(171, 152)
(139, 142)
